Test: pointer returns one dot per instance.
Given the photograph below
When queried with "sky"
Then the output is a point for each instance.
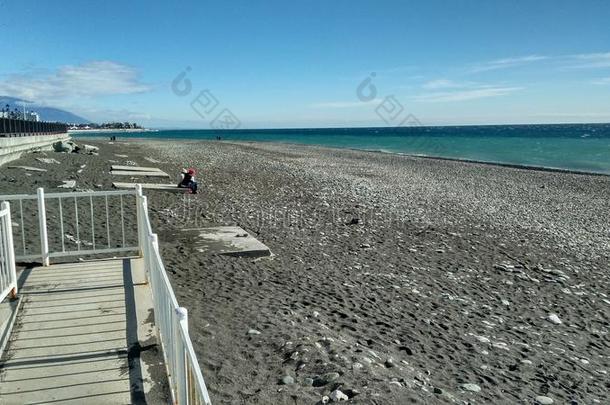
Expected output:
(314, 63)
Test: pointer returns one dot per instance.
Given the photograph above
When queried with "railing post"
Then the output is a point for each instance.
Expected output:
(139, 219)
(11, 248)
(182, 315)
(42, 220)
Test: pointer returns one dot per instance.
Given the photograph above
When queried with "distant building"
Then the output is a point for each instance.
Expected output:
(32, 116)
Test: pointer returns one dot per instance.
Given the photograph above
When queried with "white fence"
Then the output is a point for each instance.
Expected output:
(8, 275)
(186, 380)
(81, 220)
(185, 377)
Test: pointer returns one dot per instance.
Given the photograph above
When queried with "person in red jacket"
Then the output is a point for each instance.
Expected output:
(188, 180)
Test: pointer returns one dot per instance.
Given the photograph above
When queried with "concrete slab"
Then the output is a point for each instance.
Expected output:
(135, 168)
(152, 186)
(48, 160)
(78, 338)
(138, 173)
(68, 184)
(227, 240)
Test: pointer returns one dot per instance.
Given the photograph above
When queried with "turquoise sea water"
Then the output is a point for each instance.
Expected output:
(580, 147)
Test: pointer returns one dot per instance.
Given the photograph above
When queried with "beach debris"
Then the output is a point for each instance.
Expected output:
(471, 387)
(338, 396)
(121, 156)
(325, 399)
(73, 239)
(544, 400)
(152, 160)
(64, 146)
(554, 318)
(68, 184)
(253, 332)
(286, 380)
(28, 168)
(90, 148)
(48, 160)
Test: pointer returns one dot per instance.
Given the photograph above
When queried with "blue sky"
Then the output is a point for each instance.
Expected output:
(299, 64)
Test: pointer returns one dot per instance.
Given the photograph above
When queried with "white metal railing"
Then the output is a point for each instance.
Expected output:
(76, 214)
(8, 274)
(185, 377)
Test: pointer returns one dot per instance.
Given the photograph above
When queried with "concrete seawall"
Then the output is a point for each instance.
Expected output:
(12, 148)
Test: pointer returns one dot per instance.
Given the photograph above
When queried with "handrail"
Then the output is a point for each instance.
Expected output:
(100, 242)
(186, 380)
(8, 272)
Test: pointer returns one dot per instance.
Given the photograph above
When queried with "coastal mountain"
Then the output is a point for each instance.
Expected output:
(46, 113)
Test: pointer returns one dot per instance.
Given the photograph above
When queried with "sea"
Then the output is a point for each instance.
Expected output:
(572, 147)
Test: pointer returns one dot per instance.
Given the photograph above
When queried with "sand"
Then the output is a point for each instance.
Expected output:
(394, 279)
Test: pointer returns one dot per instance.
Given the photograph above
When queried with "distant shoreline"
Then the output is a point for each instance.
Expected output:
(412, 155)
(105, 130)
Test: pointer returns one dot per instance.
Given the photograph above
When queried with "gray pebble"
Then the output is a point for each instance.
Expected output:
(287, 380)
(471, 387)
(253, 332)
(542, 400)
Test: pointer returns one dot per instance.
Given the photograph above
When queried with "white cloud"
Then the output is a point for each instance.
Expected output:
(344, 104)
(590, 61)
(507, 63)
(466, 94)
(444, 84)
(602, 82)
(96, 78)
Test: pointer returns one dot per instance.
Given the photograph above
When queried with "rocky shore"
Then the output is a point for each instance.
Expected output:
(394, 279)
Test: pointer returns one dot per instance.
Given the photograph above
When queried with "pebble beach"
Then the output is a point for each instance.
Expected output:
(393, 279)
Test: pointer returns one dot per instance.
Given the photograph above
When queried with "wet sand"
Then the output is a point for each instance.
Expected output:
(394, 279)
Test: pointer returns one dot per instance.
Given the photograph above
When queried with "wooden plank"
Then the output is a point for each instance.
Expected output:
(136, 174)
(135, 168)
(151, 186)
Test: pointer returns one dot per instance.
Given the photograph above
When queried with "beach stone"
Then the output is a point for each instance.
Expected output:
(253, 332)
(64, 147)
(287, 380)
(554, 319)
(308, 382)
(438, 391)
(542, 400)
(389, 363)
(90, 148)
(337, 396)
(330, 377)
(325, 399)
(471, 387)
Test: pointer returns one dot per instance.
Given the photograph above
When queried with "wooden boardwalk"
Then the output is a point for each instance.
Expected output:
(79, 337)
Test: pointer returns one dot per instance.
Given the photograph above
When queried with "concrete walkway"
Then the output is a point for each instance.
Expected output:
(80, 336)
